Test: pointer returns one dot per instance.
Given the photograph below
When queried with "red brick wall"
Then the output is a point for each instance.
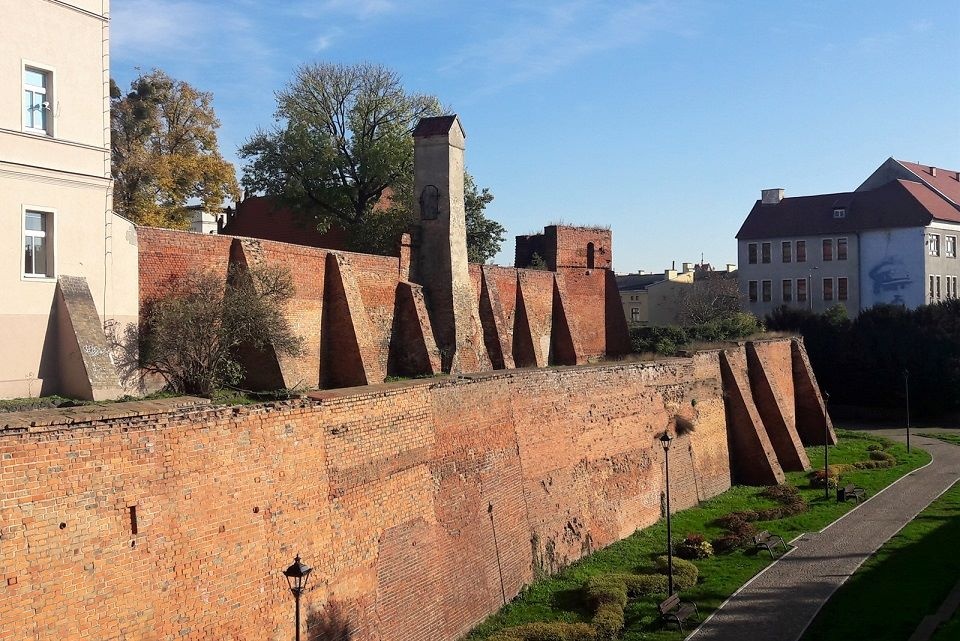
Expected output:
(168, 255)
(572, 242)
(407, 499)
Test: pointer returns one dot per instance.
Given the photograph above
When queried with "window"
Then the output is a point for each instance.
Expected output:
(841, 288)
(801, 290)
(635, 314)
(827, 249)
(827, 289)
(931, 290)
(938, 288)
(841, 249)
(752, 253)
(787, 291)
(933, 244)
(767, 291)
(37, 94)
(37, 244)
(590, 255)
(950, 250)
(839, 212)
(801, 251)
(765, 252)
(785, 251)
(752, 289)
(954, 279)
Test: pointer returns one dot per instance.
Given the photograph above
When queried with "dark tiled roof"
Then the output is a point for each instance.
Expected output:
(899, 203)
(634, 282)
(436, 126)
(947, 181)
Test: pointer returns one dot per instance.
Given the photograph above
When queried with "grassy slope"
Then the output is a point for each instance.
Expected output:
(558, 597)
(948, 437)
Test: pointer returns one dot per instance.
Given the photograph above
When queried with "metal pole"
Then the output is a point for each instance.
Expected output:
(669, 533)
(826, 449)
(906, 384)
(296, 598)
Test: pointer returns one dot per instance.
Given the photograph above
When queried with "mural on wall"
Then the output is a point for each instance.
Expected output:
(890, 278)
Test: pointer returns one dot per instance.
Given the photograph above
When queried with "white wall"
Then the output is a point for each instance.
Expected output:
(892, 267)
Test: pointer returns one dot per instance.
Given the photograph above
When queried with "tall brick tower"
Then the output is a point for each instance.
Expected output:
(441, 261)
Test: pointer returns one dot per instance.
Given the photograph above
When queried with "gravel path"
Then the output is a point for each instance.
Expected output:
(780, 602)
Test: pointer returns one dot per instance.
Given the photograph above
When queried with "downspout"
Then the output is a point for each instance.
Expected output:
(859, 275)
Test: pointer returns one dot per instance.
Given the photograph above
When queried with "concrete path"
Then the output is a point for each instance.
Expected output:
(780, 602)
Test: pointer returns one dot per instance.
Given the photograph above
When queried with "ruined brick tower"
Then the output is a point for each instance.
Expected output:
(440, 265)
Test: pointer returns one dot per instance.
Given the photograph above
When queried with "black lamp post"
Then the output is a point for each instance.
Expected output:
(906, 386)
(297, 575)
(665, 441)
(826, 447)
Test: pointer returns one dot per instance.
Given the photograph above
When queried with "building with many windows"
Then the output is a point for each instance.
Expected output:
(63, 249)
(893, 240)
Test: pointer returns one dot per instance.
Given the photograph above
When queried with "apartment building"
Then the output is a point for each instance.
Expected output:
(56, 224)
(893, 240)
(656, 299)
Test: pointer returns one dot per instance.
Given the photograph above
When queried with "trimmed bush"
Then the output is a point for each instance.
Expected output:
(606, 589)
(882, 456)
(608, 622)
(685, 573)
(646, 584)
(694, 547)
(873, 465)
(726, 543)
(782, 493)
(546, 632)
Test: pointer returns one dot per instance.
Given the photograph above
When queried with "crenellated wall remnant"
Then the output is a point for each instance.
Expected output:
(420, 505)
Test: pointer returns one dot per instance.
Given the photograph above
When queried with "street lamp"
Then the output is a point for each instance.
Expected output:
(297, 575)
(826, 449)
(665, 441)
(906, 386)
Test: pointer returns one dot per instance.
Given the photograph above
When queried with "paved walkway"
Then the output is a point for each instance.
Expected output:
(781, 601)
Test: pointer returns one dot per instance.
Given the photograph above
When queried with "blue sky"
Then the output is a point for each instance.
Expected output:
(663, 119)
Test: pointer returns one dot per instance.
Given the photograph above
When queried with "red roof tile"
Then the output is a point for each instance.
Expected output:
(947, 181)
(899, 203)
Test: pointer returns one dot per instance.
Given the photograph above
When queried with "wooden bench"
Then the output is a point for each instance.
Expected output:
(851, 492)
(673, 610)
(768, 542)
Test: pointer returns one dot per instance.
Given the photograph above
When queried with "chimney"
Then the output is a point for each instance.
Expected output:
(731, 267)
(771, 196)
(933, 171)
(642, 272)
(687, 267)
(670, 274)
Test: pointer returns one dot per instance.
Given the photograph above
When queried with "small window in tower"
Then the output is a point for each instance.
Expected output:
(590, 256)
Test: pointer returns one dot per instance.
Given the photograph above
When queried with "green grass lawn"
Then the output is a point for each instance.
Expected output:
(948, 437)
(907, 579)
(558, 598)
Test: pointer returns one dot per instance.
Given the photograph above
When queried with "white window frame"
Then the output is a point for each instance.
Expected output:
(786, 290)
(933, 244)
(50, 234)
(846, 248)
(50, 93)
(786, 251)
(766, 291)
(802, 281)
(755, 248)
(635, 314)
(843, 293)
(796, 251)
(753, 291)
(823, 290)
(950, 247)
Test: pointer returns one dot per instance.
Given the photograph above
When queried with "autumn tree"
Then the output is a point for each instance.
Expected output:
(164, 151)
(341, 153)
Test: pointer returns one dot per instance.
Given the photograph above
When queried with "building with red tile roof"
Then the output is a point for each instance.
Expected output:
(893, 240)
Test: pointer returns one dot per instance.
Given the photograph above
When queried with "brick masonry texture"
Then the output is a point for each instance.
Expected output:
(420, 505)
(361, 320)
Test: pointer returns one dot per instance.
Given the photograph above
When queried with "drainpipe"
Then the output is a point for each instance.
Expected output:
(859, 276)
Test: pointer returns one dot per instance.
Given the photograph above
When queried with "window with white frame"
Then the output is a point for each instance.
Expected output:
(827, 249)
(801, 251)
(950, 247)
(933, 244)
(786, 291)
(764, 252)
(766, 290)
(842, 288)
(841, 249)
(38, 244)
(827, 289)
(37, 100)
(635, 314)
(938, 289)
(801, 290)
(752, 253)
(931, 290)
(752, 291)
(786, 255)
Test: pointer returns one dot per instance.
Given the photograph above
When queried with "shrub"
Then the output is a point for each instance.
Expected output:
(882, 456)
(608, 622)
(546, 632)
(817, 480)
(874, 448)
(685, 573)
(694, 547)
(606, 589)
(736, 520)
(194, 333)
(726, 543)
(872, 465)
(646, 584)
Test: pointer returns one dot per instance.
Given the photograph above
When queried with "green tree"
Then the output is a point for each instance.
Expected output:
(484, 236)
(164, 151)
(341, 153)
